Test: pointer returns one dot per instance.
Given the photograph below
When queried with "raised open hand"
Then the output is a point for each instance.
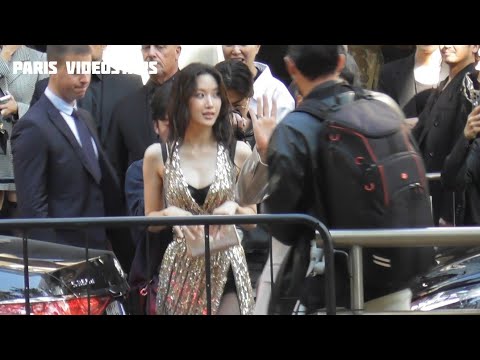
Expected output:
(264, 122)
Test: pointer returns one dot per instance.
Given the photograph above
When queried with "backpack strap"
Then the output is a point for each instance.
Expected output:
(320, 109)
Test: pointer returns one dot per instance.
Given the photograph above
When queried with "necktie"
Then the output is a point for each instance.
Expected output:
(87, 146)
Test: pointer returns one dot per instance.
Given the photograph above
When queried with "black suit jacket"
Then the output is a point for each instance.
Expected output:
(111, 89)
(397, 80)
(53, 177)
(131, 130)
(439, 127)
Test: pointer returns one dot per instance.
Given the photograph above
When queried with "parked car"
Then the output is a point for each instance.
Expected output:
(61, 282)
(453, 284)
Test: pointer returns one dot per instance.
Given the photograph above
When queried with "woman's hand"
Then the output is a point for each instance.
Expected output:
(190, 233)
(264, 122)
(233, 208)
(170, 211)
(227, 208)
(175, 211)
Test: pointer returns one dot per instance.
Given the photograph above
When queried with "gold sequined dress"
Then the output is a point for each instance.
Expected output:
(181, 288)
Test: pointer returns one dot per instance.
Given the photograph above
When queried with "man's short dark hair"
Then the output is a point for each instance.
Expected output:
(59, 52)
(236, 76)
(314, 60)
(160, 100)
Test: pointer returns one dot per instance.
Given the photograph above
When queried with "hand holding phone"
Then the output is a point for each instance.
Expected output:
(5, 99)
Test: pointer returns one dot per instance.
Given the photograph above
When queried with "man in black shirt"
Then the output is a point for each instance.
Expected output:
(131, 130)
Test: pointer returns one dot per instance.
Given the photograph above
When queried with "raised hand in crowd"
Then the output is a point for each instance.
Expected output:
(264, 122)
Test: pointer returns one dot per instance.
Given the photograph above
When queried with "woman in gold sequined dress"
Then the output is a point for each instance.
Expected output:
(198, 178)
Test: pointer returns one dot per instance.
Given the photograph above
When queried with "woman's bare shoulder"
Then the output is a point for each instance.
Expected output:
(154, 153)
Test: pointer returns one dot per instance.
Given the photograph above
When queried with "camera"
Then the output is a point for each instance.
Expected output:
(5, 99)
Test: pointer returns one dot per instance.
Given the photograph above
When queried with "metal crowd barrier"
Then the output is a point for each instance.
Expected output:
(437, 236)
(82, 223)
(356, 239)
(437, 176)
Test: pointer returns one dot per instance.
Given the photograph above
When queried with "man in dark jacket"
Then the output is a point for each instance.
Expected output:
(411, 80)
(101, 97)
(131, 130)
(441, 123)
(461, 171)
(103, 93)
(60, 167)
(298, 173)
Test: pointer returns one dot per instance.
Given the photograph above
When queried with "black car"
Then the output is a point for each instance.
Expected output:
(61, 281)
(453, 284)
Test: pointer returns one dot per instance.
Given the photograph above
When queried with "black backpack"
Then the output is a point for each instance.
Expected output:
(370, 161)
(375, 178)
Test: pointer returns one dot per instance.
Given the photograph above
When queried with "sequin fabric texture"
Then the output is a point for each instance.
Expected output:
(181, 288)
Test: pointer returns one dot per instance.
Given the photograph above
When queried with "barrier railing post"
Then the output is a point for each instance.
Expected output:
(87, 264)
(330, 296)
(356, 286)
(208, 275)
(26, 277)
(270, 251)
(149, 281)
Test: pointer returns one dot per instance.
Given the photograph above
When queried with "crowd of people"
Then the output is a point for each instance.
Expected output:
(225, 139)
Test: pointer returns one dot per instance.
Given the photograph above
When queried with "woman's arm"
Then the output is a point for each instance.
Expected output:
(252, 184)
(242, 152)
(153, 181)
(153, 170)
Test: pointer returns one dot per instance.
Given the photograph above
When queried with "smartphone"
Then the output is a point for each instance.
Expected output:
(5, 99)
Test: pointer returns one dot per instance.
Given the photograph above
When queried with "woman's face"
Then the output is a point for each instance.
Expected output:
(205, 103)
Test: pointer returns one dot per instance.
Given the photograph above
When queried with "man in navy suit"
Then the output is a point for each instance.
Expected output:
(103, 94)
(60, 167)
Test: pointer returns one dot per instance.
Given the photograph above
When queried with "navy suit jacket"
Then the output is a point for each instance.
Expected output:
(53, 177)
(112, 89)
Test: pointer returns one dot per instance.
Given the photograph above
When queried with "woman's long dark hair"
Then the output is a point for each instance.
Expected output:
(184, 87)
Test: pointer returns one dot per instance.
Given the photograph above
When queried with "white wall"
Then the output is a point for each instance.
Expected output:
(209, 54)
(129, 57)
(126, 58)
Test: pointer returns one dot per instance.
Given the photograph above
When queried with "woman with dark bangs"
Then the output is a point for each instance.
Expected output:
(198, 178)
